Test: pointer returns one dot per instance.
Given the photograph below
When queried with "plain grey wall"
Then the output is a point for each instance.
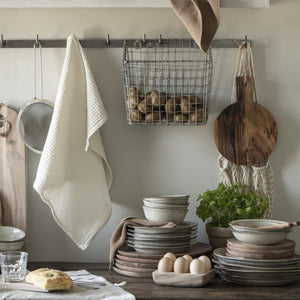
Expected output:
(147, 160)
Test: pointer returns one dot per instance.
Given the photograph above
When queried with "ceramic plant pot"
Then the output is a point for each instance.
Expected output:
(218, 236)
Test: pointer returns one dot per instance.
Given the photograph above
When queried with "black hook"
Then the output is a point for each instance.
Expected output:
(144, 38)
(159, 39)
(246, 41)
(37, 42)
(107, 39)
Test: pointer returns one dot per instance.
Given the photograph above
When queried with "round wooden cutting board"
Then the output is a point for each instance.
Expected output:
(245, 132)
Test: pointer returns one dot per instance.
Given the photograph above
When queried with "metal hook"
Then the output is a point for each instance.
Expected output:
(37, 42)
(144, 38)
(246, 41)
(159, 39)
(1, 42)
(107, 39)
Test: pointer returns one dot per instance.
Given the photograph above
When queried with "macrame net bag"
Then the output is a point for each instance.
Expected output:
(258, 177)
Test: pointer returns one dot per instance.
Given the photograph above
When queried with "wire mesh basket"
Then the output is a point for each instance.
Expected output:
(166, 82)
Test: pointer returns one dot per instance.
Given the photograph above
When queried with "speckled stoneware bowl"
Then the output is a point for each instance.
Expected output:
(246, 231)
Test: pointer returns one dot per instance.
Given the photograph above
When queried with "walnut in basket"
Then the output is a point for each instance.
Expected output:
(186, 105)
(133, 91)
(172, 106)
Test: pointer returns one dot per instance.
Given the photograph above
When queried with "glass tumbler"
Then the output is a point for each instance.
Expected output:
(13, 266)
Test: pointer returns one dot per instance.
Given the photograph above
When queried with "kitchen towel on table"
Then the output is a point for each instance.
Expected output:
(105, 290)
(200, 17)
(73, 175)
(119, 235)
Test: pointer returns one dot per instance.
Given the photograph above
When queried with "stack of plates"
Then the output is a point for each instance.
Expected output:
(256, 271)
(158, 240)
(132, 263)
(284, 249)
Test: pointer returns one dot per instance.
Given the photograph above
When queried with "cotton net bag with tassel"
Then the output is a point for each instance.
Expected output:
(257, 176)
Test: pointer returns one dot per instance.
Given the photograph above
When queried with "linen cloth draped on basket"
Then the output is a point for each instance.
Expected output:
(200, 17)
(73, 175)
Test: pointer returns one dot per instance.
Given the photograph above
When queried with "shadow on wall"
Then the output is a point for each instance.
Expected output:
(268, 96)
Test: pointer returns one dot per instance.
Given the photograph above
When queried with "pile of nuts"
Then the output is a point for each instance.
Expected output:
(158, 107)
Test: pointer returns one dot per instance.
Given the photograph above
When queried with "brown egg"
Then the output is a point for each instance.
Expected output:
(181, 265)
(171, 256)
(188, 258)
(165, 265)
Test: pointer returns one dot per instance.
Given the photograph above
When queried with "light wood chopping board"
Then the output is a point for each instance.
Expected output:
(13, 192)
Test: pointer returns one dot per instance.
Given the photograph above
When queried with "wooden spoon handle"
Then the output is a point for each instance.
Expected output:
(279, 226)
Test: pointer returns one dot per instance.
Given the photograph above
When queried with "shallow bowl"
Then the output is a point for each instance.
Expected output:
(11, 234)
(164, 215)
(246, 231)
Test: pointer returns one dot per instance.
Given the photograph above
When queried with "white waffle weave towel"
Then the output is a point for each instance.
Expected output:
(73, 175)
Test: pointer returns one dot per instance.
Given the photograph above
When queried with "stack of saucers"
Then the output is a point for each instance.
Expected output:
(172, 208)
(11, 238)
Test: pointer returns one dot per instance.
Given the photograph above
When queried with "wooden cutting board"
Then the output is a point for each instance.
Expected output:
(245, 132)
(13, 193)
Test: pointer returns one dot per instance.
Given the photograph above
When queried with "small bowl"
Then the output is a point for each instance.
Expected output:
(11, 234)
(148, 203)
(164, 215)
(168, 199)
(246, 231)
(13, 246)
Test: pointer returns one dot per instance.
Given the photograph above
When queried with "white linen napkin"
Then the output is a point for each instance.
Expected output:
(73, 175)
(86, 286)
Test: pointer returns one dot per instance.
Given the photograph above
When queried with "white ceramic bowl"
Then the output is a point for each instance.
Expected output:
(11, 234)
(164, 215)
(148, 203)
(168, 199)
(13, 246)
(246, 231)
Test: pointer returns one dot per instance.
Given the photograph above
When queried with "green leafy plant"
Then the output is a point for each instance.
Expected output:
(227, 203)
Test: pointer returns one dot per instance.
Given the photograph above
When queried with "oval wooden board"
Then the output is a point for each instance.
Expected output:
(245, 132)
(136, 265)
(195, 250)
(133, 269)
(137, 260)
(133, 274)
(286, 244)
(13, 189)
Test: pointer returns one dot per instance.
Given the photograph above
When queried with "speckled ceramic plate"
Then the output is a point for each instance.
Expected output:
(235, 266)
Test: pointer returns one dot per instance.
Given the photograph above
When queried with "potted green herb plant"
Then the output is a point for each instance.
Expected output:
(225, 204)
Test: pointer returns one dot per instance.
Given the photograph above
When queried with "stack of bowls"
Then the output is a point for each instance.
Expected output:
(11, 238)
(166, 208)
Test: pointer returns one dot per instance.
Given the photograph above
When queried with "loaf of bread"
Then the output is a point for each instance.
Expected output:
(49, 279)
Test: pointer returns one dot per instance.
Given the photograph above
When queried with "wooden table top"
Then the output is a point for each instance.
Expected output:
(147, 289)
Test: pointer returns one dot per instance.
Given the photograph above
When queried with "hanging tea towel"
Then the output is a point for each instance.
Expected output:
(200, 17)
(73, 175)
